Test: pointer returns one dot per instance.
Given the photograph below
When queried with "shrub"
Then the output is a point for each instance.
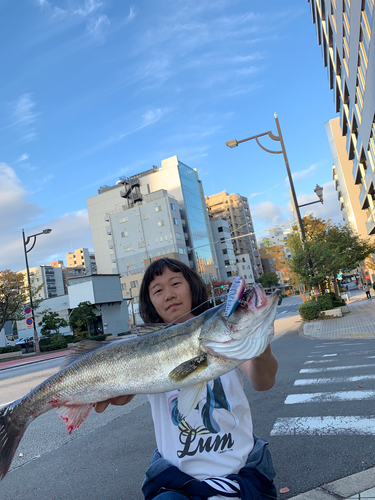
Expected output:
(325, 302)
(46, 341)
(10, 348)
(54, 346)
(309, 310)
(339, 303)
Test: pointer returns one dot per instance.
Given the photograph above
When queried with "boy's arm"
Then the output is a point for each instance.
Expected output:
(261, 371)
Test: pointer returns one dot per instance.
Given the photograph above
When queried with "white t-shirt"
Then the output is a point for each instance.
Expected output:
(217, 437)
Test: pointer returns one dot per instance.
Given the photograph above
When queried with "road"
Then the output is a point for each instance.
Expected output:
(318, 420)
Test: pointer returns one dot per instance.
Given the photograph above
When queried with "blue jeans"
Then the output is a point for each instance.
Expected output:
(171, 495)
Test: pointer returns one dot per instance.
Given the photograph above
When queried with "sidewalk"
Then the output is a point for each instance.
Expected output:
(359, 323)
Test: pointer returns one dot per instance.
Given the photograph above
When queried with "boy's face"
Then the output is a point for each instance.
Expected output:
(170, 294)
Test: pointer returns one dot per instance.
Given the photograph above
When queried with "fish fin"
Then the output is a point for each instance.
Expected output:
(81, 348)
(11, 432)
(234, 295)
(185, 369)
(74, 415)
(188, 398)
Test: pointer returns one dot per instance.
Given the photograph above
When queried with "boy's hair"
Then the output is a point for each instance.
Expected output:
(197, 287)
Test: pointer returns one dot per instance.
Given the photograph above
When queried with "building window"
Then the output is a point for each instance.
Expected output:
(123, 286)
(145, 216)
(161, 239)
(124, 234)
(181, 250)
(178, 236)
(226, 262)
(175, 221)
(134, 284)
(141, 244)
(173, 206)
(128, 248)
(160, 223)
(220, 229)
(225, 251)
(130, 262)
(166, 237)
(158, 208)
(122, 220)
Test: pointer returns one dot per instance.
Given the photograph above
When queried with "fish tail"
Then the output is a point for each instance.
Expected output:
(12, 428)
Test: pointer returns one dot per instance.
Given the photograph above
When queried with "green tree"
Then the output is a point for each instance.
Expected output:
(269, 280)
(51, 322)
(327, 250)
(82, 315)
(14, 296)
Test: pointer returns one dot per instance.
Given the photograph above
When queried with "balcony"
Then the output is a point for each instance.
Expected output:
(108, 230)
(370, 224)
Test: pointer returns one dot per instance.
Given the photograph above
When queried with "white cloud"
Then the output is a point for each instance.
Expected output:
(69, 231)
(303, 174)
(267, 214)
(131, 14)
(95, 26)
(89, 7)
(152, 116)
(23, 110)
(24, 157)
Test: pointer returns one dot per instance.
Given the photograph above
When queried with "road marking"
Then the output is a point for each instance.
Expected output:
(329, 355)
(318, 361)
(324, 426)
(324, 397)
(334, 380)
(334, 368)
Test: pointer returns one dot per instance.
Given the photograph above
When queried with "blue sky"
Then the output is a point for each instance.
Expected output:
(94, 89)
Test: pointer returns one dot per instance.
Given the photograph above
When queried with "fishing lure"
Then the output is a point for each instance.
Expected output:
(235, 295)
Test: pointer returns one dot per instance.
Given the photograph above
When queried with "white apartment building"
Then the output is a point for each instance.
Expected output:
(124, 238)
(227, 269)
(235, 209)
(50, 277)
(245, 268)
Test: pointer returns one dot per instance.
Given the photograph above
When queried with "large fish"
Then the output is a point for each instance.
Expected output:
(184, 356)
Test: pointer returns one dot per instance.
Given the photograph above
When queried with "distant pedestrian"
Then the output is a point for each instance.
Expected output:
(366, 288)
(373, 286)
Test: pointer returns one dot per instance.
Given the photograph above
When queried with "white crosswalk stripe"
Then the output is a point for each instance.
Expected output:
(324, 364)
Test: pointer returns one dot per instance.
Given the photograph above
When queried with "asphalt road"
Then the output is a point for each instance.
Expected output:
(107, 456)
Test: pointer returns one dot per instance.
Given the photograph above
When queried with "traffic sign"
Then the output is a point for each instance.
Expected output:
(27, 310)
(29, 321)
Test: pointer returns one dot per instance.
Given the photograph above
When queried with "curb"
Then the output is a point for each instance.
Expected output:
(342, 488)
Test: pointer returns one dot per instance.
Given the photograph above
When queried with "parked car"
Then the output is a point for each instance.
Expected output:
(25, 342)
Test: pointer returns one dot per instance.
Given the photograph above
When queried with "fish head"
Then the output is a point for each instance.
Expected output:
(247, 331)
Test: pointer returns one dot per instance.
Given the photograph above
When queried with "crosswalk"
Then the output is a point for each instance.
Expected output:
(322, 368)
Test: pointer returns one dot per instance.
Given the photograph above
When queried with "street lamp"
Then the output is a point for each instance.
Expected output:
(26, 241)
(319, 193)
(234, 143)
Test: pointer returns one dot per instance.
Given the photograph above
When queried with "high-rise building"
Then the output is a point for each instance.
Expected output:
(48, 276)
(235, 209)
(82, 258)
(68, 272)
(347, 191)
(227, 269)
(344, 31)
(166, 202)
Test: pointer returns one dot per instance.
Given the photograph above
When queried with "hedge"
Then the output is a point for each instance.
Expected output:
(339, 303)
(10, 348)
(325, 302)
(309, 310)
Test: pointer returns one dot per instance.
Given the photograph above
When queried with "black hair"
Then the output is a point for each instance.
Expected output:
(197, 287)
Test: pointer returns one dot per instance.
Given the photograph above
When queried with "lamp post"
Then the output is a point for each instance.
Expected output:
(318, 190)
(277, 138)
(26, 241)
